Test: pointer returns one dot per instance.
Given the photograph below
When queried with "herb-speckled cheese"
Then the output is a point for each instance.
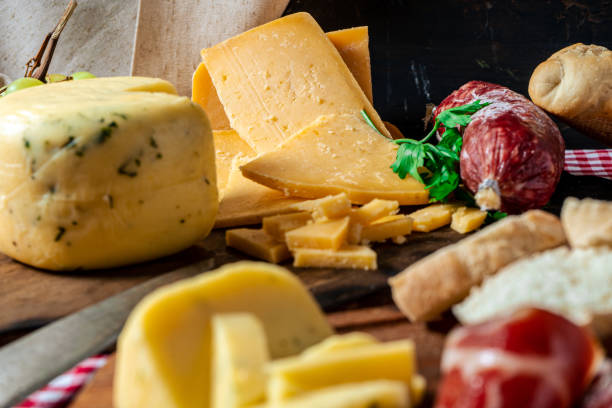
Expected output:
(103, 172)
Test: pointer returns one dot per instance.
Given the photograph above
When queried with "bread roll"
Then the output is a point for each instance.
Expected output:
(575, 84)
(587, 223)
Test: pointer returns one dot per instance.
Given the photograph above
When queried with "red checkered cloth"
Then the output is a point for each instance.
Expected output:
(589, 162)
(59, 391)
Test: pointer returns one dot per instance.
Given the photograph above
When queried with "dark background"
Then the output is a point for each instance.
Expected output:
(422, 50)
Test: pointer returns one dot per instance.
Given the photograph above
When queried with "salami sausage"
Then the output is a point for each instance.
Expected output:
(532, 359)
(513, 153)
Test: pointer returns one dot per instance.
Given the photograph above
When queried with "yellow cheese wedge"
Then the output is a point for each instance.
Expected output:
(466, 220)
(163, 353)
(368, 394)
(229, 148)
(239, 353)
(322, 235)
(387, 227)
(351, 43)
(350, 256)
(329, 207)
(257, 243)
(374, 210)
(339, 342)
(103, 172)
(203, 93)
(245, 202)
(277, 225)
(433, 217)
(294, 376)
(278, 78)
(336, 154)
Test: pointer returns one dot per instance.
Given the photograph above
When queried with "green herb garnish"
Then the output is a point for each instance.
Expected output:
(436, 166)
(367, 119)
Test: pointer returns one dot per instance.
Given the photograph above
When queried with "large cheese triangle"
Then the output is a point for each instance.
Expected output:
(336, 154)
(163, 353)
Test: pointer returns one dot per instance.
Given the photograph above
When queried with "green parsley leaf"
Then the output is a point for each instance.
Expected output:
(442, 160)
(367, 119)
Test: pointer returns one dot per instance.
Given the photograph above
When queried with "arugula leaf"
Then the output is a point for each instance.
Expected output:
(442, 160)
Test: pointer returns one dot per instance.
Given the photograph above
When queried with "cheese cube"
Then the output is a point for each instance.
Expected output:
(322, 235)
(387, 227)
(163, 352)
(433, 217)
(374, 210)
(239, 354)
(103, 172)
(329, 207)
(468, 219)
(294, 376)
(339, 342)
(351, 43)
(350, 256)
(368, 394)
(336, 154)
(277, 225)
(257, 243)
(354, 233)
(278, 78)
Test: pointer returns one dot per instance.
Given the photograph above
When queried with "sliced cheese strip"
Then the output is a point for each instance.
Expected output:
(336, 154)
(278, 225)
(240, 353)
(387, 227)
(374, 210)
(103, 172)
(432, 217)
(246, 202)
(294, 376)
(466, 220)
(278, 78)
(368, 394)
(327, 207)
(350, 256)
(339, 342)
(351, 43)
(163, 353)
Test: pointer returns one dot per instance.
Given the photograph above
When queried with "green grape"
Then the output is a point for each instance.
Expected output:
(50, 78)
(82, 75)
(22, 83)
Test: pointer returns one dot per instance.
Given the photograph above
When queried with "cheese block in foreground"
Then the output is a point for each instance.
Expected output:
(163, 353)
(336, 154)
(103, 172)
(278, 78)
(351, 43)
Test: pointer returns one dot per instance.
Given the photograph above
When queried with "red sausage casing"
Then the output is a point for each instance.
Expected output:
(513, 153)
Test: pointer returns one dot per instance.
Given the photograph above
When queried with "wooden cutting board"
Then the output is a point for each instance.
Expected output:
(384, 322)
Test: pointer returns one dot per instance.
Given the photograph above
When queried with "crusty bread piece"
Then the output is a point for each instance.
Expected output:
(576, 283)
(575, 84)
(587, 223)
(425, 289)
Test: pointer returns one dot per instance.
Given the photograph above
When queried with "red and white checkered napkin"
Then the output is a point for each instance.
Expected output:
(63, 388)
(589, 162)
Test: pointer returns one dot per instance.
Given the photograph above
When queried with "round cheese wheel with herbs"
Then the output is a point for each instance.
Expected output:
(103, 172)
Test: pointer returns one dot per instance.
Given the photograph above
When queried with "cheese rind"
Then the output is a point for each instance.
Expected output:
(432, 217)
(277, 78)
(240, 353)
(466, 220)
(257, 243)
(294, 376)
(278, 225)
(322, 235)
(336, 154)
(163, 354)
(350, 256)
(103, 172)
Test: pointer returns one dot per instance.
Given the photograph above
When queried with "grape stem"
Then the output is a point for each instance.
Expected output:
(38, 66)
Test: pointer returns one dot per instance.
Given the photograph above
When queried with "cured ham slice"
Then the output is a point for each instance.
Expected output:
(531, 359)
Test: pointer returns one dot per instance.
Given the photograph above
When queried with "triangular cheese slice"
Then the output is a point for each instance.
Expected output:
(336, 154)
(229, 147)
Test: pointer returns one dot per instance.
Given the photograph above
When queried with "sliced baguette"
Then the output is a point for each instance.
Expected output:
(587, 223)
(425, 289)
(576, 283)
